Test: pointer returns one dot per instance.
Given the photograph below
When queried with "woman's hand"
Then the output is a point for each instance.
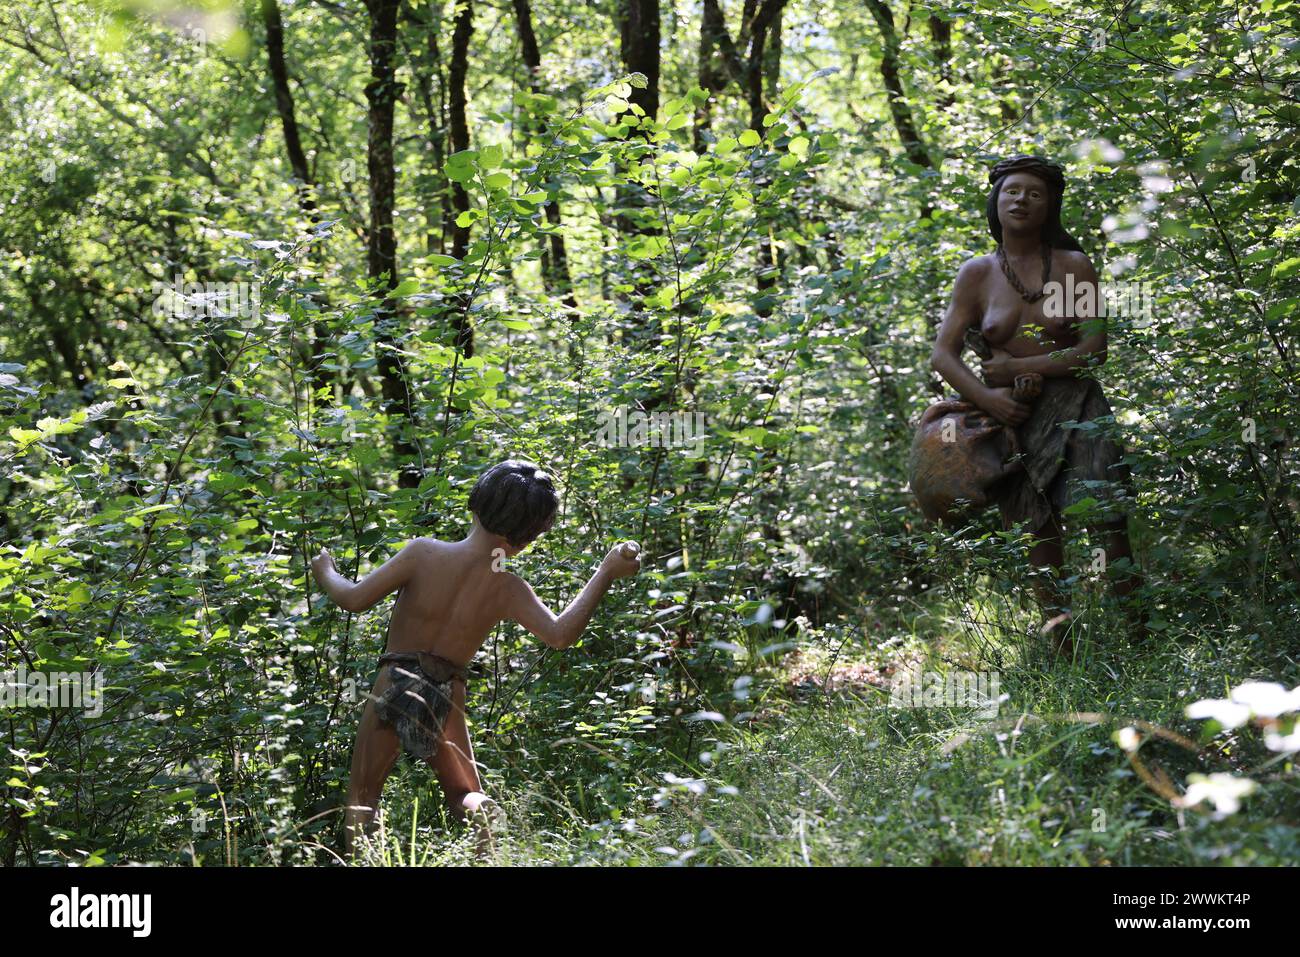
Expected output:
(1000, 370)
(999, 404)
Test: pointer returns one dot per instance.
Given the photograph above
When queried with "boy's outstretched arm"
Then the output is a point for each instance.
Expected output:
(523, 606)
(358, 596)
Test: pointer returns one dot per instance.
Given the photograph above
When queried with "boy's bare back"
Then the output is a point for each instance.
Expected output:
(450, 601)
(452, 594)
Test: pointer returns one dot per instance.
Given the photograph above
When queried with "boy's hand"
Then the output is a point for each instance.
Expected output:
(622, 560)
(321, 563)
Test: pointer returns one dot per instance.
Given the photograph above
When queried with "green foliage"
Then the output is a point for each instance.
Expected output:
(166, 469)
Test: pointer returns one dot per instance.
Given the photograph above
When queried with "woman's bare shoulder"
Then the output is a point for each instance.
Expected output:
(974, 268)
(1074, 260)
(971, 275)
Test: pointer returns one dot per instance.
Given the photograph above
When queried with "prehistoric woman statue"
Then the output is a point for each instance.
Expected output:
(998, 309)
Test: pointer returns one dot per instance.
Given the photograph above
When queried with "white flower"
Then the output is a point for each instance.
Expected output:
(1128, 738)
(1227, 713)
(1285, 743)
(1258, 699)
(1267, 699)
(1224, 790)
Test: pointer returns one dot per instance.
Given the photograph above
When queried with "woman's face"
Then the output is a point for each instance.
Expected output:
(1023, 202)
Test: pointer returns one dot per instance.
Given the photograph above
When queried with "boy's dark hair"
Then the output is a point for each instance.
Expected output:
(515, 499)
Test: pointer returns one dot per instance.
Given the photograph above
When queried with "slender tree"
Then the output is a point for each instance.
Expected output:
(425, 58)
(941, 45)
(457, 73)
(753, 63)
(745, 60)
(899, 110)
(555, 259)
(305, 182)
(381, 95)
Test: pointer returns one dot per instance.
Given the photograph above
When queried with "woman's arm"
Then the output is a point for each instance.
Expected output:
(945, 359)
(358, 596)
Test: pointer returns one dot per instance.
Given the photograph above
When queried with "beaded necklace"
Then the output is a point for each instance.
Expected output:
(1014, 280)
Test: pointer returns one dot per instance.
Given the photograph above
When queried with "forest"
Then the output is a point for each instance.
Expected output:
(279, 276)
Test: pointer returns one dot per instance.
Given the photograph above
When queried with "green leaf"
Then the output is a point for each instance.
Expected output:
(1286, 267)
(459, 174)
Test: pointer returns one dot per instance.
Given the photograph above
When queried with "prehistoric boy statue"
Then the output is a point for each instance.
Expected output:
(452, 594)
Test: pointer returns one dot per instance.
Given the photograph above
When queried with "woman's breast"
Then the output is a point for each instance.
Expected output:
(1000, 325)
(1026, 332)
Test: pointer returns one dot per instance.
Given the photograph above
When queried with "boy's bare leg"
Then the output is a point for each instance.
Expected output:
(458, 775)
(373, 755)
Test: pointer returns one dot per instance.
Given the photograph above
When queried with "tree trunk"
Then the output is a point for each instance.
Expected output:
(638, 25)
(555, 259)
(639, 48)
(760, 22)
(425, 58)
(941, 44)
(305, 187)
(764, 64)
(899, 110)
(457, 74)
(381, 94)
(710, 76)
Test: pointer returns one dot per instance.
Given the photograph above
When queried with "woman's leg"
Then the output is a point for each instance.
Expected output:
(1124, 574)
(1046, 557)
(373, 756)
(1119, 552)
(1101, 459)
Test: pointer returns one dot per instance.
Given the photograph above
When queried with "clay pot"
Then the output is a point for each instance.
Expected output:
(959, 454)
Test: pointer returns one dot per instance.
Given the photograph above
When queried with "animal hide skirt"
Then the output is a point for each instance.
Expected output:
(418, 699)
(1067, 457)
